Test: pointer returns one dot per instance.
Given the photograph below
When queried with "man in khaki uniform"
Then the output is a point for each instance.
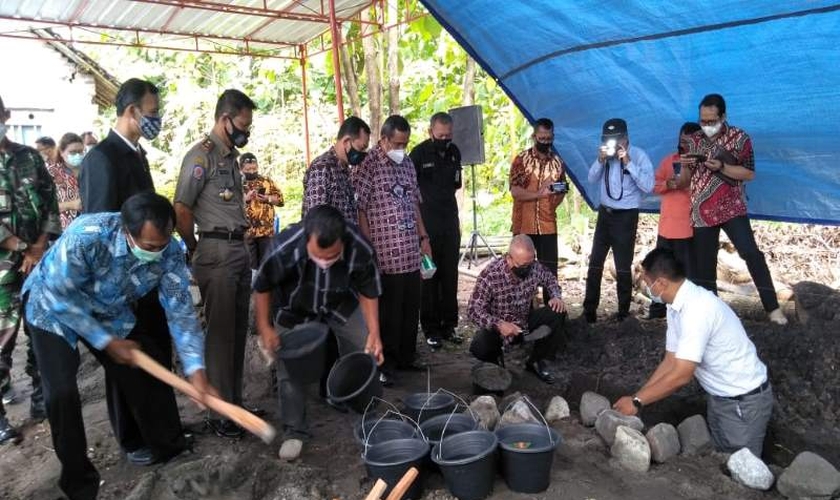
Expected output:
(210, 195)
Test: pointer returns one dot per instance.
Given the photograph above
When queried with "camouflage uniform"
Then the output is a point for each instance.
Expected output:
(28, 208)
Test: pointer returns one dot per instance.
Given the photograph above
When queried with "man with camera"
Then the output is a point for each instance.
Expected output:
(261, 196)
(624, 173)
(720, 161)
(538, 186)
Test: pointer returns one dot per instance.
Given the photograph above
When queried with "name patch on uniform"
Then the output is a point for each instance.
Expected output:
(428, 165)
(198, 172)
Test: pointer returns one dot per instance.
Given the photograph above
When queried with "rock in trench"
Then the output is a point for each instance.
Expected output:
(519, 413)
(809, 476)
(749, 470)
(485, 410)
(558, 409)
(694, 435)
(609, 420)
(591, 404)
(631, 449)
(664, 442)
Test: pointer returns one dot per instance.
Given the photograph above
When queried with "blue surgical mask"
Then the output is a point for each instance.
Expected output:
(144, 256)
(150, 126)
(75, 159)
(656, 299)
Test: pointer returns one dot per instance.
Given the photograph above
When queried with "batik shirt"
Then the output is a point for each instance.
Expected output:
(531, 171)
(327, 182)
(388, 194)
(714, 201)
(66, 189)
(499, 295)
(261, 213)
(87, 283)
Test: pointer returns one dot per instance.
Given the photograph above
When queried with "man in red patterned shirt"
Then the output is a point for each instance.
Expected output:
(389, 216)
(500, 306)
(720, 161)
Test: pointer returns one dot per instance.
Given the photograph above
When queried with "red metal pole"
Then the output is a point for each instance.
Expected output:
(336, 53)
(305, 103)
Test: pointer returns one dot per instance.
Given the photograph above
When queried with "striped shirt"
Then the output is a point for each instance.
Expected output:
(305, 292)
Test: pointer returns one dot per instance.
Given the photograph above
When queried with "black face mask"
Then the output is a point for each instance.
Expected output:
(250, 176)
(441, 145)
(522, 272)
(237, 137)
(543, 147)
(355, 157)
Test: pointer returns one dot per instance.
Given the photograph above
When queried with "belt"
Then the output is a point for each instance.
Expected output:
(763, 387)
(611, 210)
(223, 235)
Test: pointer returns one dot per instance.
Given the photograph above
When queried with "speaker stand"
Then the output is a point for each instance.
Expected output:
(471, 250)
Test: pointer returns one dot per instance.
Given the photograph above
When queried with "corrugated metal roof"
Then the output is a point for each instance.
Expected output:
(262, 22)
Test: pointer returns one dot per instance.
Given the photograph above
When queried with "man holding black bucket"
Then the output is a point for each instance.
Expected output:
(325, 275)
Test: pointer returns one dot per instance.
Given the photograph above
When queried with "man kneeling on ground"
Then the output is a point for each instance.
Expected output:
(705, 339)
(321, 270)
(500, 306)
(84, 289)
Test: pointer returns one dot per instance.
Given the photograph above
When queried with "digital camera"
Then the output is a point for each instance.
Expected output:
(559, 187)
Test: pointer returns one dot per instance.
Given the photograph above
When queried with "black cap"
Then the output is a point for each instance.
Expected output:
(246, 157)
(614, 127)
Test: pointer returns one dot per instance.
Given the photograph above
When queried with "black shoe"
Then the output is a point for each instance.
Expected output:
(656, 314)
(254, 410)
(224, 428)
(537, 368)
(619, 317)
(451, 335)
(8, 433)
(434, 342)
(142, 456)
(385, 379)
(37, 407)
(591, 316)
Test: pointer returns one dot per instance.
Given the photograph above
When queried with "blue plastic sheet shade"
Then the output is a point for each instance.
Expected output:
(583, 62)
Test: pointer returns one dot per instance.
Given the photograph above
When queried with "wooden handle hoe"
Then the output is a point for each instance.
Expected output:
(404, 484)
(241, 416)
(376, 492)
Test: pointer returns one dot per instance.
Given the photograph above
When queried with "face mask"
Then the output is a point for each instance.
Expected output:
(75, 159)
(3, 130)
(355, 157)
(250, 176)
(324, 264)
(656, 299)
(237, 137)
(522, 272)
(543, 147)
(441, 145)
(712, 130)
(397, 155)
(144, 256)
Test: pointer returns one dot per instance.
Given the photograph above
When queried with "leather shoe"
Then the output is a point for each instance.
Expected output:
(142, 456)
(538, 368)
(7, 432)
(590, 316)
(224, 428)
(385, 379)
(452, 336)
(434, 342)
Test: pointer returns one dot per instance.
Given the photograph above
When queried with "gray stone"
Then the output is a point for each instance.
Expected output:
(591, 405)
(631, 449)
(486, 412)
(519, 413)
(809, 476)
(749, 470)
(694, 435)
(609, 420)
(509, 400)
(290, 449)
(664, 442)
(558, 409)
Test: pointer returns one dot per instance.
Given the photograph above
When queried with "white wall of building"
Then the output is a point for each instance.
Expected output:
(46, 94)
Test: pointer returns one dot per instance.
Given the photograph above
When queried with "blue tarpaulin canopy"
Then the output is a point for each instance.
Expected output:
(583, 62)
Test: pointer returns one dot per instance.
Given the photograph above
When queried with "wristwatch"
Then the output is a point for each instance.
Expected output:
(21, 246)
(637, 403)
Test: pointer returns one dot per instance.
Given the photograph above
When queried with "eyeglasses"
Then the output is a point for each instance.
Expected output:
(249, 160)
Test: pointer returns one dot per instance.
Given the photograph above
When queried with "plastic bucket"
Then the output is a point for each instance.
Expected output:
(435, 427)
(375, 431)
(303, 351)
(468, 463)
(390, 460)
(422, 406)
(527, 456)
(354, 380)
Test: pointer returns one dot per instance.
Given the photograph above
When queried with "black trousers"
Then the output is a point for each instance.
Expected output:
(399, 312)
(546, 245)
(439, 304)
(614, 229)
(682, 249)
(487, 344)
(258, 248)
(148, 413)
(740, 232)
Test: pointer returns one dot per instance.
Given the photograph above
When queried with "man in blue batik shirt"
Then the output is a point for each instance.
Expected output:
(84, 290)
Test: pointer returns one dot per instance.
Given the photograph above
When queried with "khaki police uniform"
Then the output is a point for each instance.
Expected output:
(210, 184)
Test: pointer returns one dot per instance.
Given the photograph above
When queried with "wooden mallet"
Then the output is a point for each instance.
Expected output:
(239, 415)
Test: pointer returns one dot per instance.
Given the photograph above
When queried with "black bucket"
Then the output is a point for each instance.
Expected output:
(303, 351)
(527, 456)
(468, 463)
(435, 427)
(390, 460)
(354, 380)
(379, 430)
(422, 406)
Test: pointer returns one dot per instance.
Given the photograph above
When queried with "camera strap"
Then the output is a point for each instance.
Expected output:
(607, 182)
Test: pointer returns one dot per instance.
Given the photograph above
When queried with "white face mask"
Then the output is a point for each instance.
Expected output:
(324, 264)
(397, 155)
(656, 299)
(3, 130)
(712, 130)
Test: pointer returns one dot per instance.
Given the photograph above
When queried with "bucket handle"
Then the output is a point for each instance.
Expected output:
(385, 415)
(461, 401)
(529, 403)
(375, 399)
(443, 431)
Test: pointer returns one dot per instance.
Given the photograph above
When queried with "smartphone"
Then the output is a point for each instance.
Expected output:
(261, 191)
(559, 187)
(677, 168)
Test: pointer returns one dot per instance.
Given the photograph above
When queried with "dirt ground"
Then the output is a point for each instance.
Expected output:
(610, 358)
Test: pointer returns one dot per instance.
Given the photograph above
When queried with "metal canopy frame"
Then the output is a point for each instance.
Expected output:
(284, 29)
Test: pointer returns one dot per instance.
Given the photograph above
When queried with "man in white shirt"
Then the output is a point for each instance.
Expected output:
(705, 339)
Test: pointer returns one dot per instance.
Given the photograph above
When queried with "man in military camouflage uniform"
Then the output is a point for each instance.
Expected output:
(209, 194)
(28, 218)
